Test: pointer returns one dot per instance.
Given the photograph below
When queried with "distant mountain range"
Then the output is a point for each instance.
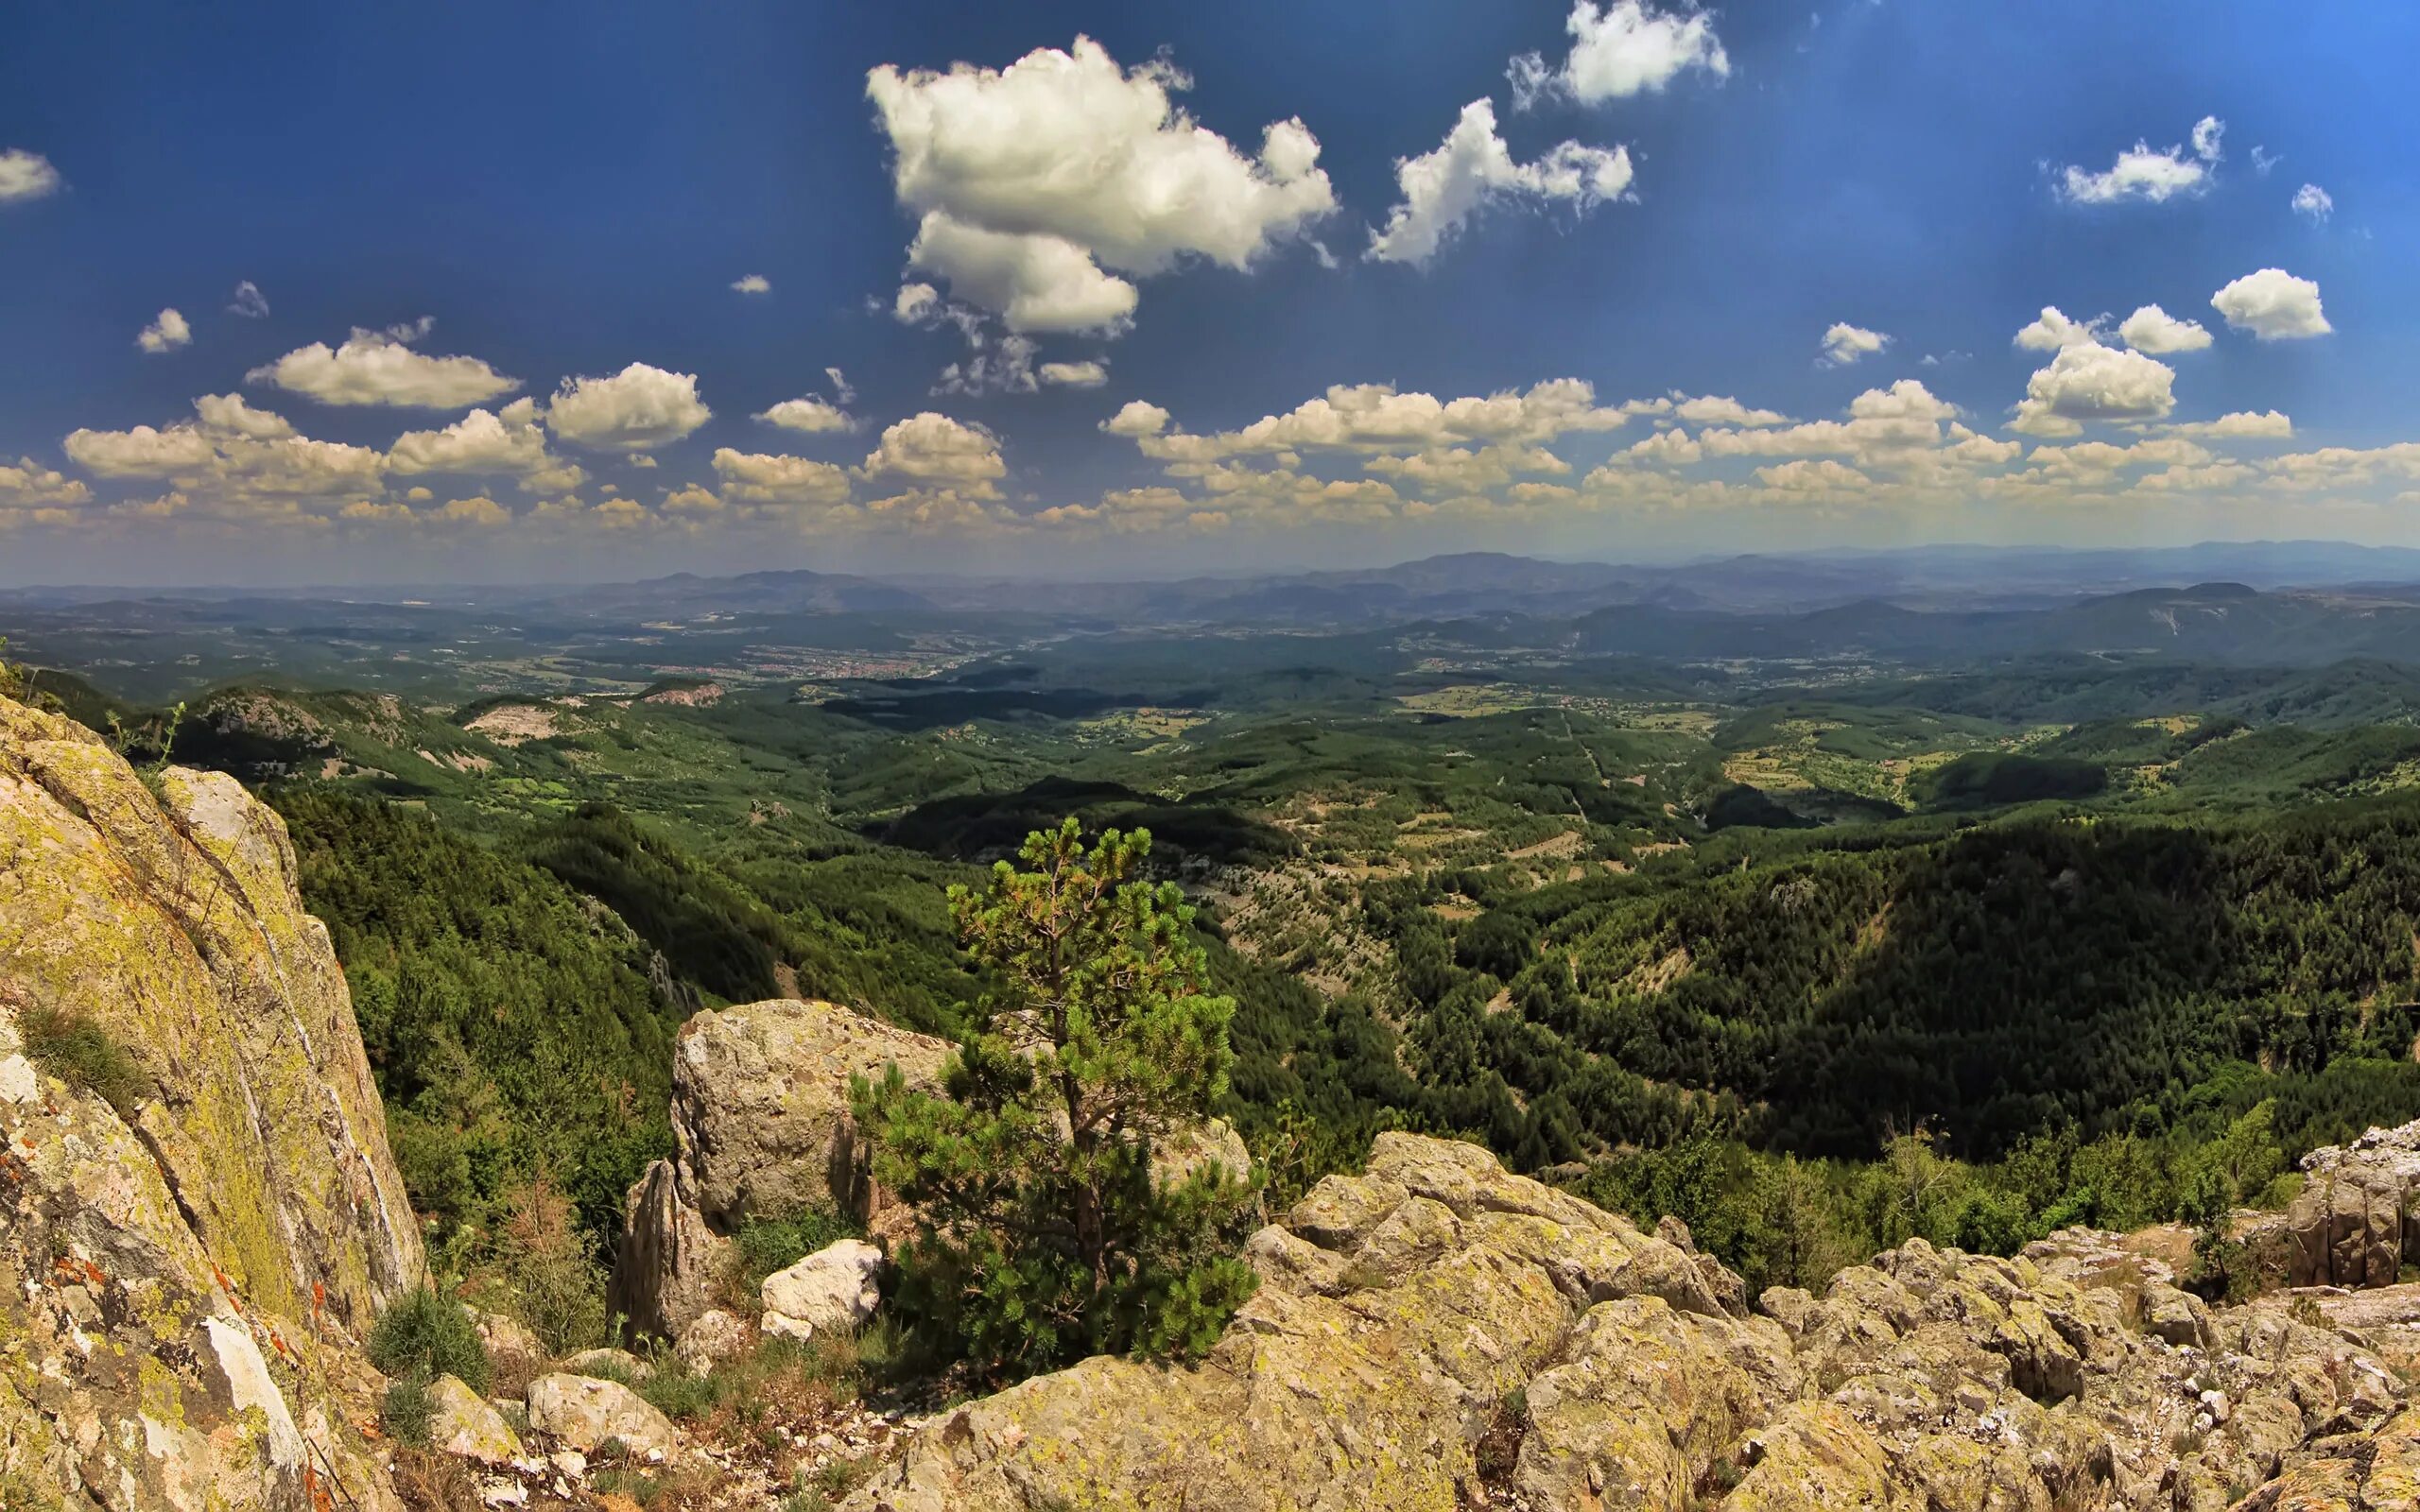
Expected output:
(1962, 579)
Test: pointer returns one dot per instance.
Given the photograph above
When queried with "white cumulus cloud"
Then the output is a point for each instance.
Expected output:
(2054, 330)
(1620, 49)
(2146, 172)
(2273, 305)
(1473, 169)
(634, 410)
(933, 449)
(1074, 375)
(249, 302)
(26, 176)
(380, 367)
(752, 283)
(480, 442)
(1845, 343)
(2314, 204)
(2090, 382)
(166, 334)
(815, 417)
(774, 479)
(1092, 168)
(2153, 330)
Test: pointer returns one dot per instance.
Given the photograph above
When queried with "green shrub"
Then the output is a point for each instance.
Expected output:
(410, 1410)
(768, 1244)
(424, 1335)
(81, 1054)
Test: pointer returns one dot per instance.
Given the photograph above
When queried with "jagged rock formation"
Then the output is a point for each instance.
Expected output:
(184, 1266)
(2354, 1223)
(1437, 1334)
(760, 1126)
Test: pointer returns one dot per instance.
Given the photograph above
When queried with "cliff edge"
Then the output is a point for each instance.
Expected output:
(199, 1213)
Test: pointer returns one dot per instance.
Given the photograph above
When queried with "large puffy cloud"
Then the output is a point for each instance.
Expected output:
(934, 451)
(628, 411)
(2153, 330)
(2090, 382)
(1845, 343)
(814, 417)
(776, 480)
(380, 367)
(1031, 181)
(479, 442)
(166, 334)
(1473, 169)
(1033, 283)
(1620, 49)
(2273, 305)
(2147, 174)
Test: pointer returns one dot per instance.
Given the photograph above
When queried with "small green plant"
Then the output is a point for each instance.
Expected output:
(410, 1410)
(426, 1335)
(768, 1244)
(81, 1054)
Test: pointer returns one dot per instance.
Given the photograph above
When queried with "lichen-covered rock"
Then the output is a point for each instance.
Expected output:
(465, 1424)
(1438, 1333)
(667, 1264)
(833, 1289)
(584, 1413)
(184, 1271)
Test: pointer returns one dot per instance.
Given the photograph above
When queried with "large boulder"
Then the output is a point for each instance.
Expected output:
(584, 1412)
(760, 1104)
(2353, 1225)
(193, 1236)
(1437, 1334)
(760, 1126)
(831, 1291)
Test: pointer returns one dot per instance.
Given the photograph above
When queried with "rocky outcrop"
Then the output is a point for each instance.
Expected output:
(186, 1263)
(1438, 1333)
(2353, 1223)
(760, 1126)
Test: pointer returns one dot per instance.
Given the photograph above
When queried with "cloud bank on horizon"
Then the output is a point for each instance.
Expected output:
(1128, 301)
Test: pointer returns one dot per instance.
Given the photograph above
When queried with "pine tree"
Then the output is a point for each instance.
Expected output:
(1045, 1234)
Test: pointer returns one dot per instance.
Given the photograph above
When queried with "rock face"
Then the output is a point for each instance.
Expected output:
(183, 1275)
(1437, 1334)
(760, 1125)
(2354, 1224)
(830, 1290)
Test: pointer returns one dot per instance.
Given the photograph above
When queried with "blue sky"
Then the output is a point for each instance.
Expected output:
(1124, 314)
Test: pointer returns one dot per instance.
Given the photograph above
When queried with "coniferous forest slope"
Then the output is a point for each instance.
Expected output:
(1724, 911)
